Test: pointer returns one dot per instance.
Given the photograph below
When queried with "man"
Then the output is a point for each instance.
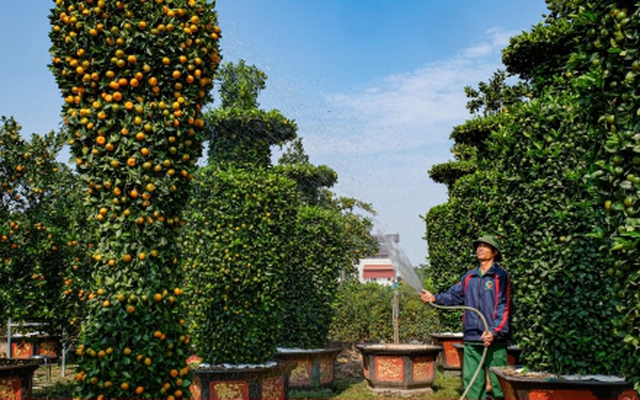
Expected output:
(486, 288)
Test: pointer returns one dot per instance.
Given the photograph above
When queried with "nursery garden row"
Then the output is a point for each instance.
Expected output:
(148, 258)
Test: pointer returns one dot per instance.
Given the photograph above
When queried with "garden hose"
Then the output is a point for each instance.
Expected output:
(486, 348)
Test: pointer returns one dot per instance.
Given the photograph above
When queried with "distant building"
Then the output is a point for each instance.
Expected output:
(379, 268)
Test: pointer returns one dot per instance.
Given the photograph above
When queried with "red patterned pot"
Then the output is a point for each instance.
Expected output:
(513, 354)
(314, 368)
(16, 378)
(522, 387)
(242, 383)
(405, 369)
(22, 349)
(449, 358)
(49, 346)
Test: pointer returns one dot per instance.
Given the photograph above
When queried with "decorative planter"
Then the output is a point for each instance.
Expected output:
(540, 386)
(16, 378)
(314, 368)
(449, 358)
(23, 349)
(405, 369)
(25, 346)
(221, 383)
(513, 354)
(49, 346)
(513, 357)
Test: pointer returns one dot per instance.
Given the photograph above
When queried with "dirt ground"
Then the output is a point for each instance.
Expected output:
(41, 377)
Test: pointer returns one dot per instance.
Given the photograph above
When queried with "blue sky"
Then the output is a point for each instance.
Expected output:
(375, 86)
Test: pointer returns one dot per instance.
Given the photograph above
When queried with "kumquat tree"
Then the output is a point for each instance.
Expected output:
(134, 76)
(39, 234)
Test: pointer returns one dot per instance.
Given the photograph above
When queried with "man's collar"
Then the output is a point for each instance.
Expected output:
(490, 270)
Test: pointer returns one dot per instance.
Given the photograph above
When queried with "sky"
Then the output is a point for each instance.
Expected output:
(375, 86)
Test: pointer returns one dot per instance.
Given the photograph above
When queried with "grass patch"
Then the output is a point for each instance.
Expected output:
(57, 390)
(446, 386)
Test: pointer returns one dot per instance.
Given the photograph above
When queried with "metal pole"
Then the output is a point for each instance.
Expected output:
(9, 353)
(64, 351)
(396, 326)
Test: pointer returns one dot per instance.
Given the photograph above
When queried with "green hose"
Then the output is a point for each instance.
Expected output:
(484, 352)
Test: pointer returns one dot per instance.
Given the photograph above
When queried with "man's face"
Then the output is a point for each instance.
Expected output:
(485, 252)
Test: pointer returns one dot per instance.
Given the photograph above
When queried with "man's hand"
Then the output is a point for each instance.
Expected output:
(487, 338)
(427, 297)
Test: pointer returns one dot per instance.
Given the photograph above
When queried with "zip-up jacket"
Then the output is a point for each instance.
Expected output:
(490, 294)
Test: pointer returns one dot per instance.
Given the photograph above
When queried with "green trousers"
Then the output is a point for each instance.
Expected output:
(496, 357)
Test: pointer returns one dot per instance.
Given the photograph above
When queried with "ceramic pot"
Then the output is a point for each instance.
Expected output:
(16, 378)
(242, 383)
(314, 368)
(405, 369)
(449, 358)
(543, 386)
(513, 354)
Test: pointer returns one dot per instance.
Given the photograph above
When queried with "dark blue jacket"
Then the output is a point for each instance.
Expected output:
(490, 294)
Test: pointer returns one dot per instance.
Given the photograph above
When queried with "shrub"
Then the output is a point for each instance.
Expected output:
(363, 314)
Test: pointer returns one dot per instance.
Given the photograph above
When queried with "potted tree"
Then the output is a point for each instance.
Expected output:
(36, 244)
(240, 235)
(558, 219)
(134, 82)
(330, 237)
(234, 262)
(389, 333)
(449, 358)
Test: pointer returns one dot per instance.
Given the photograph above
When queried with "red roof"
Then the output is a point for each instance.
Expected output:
(378, 271)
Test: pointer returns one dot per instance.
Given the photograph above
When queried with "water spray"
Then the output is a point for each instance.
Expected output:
(410, 276)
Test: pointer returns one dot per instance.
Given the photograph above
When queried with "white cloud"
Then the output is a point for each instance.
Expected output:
(406, 111)
(383, 138)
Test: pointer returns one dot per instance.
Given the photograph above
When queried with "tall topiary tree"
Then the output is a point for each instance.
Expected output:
(597, 46)
(241, 229)
(134, 77)
(605, 68)
(331, 237)
(534, 187)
